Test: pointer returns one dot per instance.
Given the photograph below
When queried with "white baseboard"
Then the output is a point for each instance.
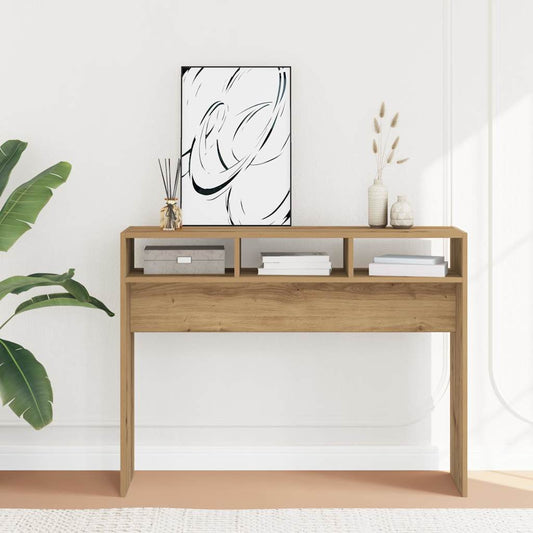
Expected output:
(222, 458)
(15, 457)
(500, 458)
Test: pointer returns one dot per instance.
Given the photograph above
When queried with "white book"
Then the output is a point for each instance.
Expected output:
(295, 257)
(294, 272)
(409, 259)
(384, 269)
(298, 266)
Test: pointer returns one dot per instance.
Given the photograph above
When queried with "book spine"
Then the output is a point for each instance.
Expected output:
(406, 260)
(382, 269)
(285, 272)
(321, 260)
(298, 266)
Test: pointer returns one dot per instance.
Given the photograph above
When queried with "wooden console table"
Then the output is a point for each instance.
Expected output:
(348, 300)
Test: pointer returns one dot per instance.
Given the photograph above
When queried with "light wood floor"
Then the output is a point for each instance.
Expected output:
(242, 490)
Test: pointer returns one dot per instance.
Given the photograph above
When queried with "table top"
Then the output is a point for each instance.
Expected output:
(327, 232)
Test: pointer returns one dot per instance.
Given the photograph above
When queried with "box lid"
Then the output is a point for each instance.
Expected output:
(195, 253)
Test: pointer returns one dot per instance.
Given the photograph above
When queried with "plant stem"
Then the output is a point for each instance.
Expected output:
(380, 166)
(385, 147)
(1, 326)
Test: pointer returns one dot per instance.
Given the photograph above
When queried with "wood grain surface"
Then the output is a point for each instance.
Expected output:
(348, 300)
(292, 307)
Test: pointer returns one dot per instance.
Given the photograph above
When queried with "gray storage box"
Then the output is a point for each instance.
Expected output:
(184, 260)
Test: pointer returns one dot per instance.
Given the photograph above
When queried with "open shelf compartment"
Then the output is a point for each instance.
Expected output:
(347, 274)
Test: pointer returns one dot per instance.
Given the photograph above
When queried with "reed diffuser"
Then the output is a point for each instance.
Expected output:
(170, 215)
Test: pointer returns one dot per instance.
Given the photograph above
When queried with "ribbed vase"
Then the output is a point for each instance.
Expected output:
(378, 202)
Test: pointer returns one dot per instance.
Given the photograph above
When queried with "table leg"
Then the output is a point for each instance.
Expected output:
(127, 426)
(458, 398)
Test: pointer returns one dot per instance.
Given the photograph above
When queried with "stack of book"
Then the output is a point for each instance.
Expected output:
(295, 264)
(409, 265)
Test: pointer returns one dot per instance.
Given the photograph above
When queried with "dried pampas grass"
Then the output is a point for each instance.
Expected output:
(380, 147)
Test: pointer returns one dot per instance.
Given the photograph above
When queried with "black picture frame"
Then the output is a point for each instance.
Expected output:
(183, 70)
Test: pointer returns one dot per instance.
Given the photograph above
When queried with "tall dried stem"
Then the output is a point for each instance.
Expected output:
(384, 154)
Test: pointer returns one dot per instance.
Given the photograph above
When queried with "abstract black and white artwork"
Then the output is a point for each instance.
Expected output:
(236, 146)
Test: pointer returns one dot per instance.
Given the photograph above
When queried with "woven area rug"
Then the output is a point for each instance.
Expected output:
(148, 520)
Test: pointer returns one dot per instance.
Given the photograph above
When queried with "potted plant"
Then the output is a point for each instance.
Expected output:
(24, 383)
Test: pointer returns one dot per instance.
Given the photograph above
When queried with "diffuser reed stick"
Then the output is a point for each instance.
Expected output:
(170, 184)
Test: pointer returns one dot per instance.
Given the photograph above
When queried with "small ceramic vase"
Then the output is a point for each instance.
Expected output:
(170, 215)
(401, 214)
(378, 201)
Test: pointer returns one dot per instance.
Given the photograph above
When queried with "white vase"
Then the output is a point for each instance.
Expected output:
(401, 214)
(378, 201)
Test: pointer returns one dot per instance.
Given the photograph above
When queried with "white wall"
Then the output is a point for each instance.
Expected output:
(97, 84)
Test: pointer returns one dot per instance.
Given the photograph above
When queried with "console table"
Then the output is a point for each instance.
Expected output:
(348, 300)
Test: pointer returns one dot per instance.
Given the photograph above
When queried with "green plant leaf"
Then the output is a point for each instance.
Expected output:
(10, 153)
(60, 299)
(77, 290)
(24, 385)
(19, 284)
(26, 202)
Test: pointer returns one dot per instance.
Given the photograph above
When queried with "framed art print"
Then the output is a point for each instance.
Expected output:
(236, 146)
